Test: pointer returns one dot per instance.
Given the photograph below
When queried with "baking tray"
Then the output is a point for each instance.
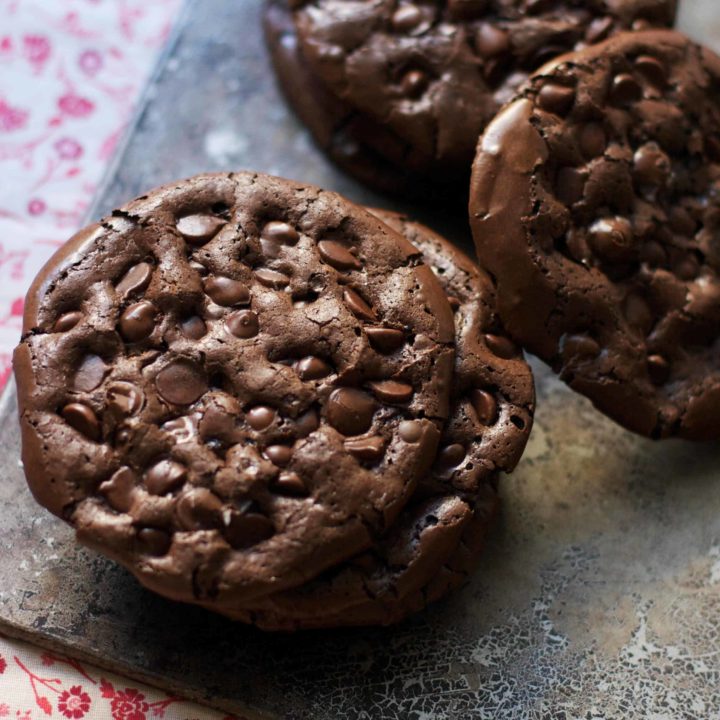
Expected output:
(598, 597)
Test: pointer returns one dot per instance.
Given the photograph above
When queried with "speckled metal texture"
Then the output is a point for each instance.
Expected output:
(598, 598)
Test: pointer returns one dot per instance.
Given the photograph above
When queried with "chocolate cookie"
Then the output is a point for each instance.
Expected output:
(233, 384)
(595, 203)
(439, 536)
(432, 73)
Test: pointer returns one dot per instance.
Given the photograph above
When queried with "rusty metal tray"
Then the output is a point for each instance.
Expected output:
(599, 596)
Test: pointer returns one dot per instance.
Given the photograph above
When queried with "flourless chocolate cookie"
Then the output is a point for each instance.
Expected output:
(439, 536)
(595, 203)
(432, 73)
(233, 384)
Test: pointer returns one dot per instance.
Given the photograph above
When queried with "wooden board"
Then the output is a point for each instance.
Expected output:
(599, 596)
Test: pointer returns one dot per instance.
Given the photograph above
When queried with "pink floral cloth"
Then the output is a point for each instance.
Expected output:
(70, 73)
(37, 685)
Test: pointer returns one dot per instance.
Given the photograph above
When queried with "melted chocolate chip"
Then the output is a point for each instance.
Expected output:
(83, 419)
(138, 321)
(125, 398)
(244, 530)
(501, 346)
(290, 483)
(135, 280)
(119, 489)
(358, 306)
(280, 232)
(312, 368)
(67, 321)
(182, 382)
(243, 324)
(90, 374)
(369, 449)
(193, 328)
(272, 278)
(485, 406)
(199, 229)
(152, 541)
(392, 391)
(279, 455)
(199, 509)
(451, 456)
(307, 423)
(261, 417)
(337, 255)
(625, 89)
(226, 291)
(164, 477)
(410, 431)
(414, 83)
(385, 340)
(556, 98)
(350, 411)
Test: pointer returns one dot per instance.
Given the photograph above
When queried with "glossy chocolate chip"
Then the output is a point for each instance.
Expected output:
(485, 406)
(652, 70)
(199, 509)
(570, 185)
(490, 40)
(599, 29)
(135, 280)
(580, 346)
(501, 346)
(385, 340)
(243, 324)
(152, 541)
(651, 166)
(226, 292)
(272, 278)
(280, 232)
(193, 328)
(182, 382)
(164, 477)
(244, 530)
(90, 374)
(410, 431)
(125, 398)
(83, 419)
(406, 18)
(369, 449)
(414, 83)
(312, 368)
(289, 483)
(260, 417)
(279, 455)
(557, 99)
(451, 456)
(138, 321)
(350, 411)
(307, 423)
(199, 229)
(392, 391)
(119, 489)
(612, 239)
(658, 369)
(337, 255)
(625, 89)
(592, 140)
(67, 321)
(358, 306)
(182, 429)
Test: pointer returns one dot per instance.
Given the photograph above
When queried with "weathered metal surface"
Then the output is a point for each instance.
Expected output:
(599, 597)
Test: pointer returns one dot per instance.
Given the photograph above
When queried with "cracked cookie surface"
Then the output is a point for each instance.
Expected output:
(429, 75)
(232, 384)
(602, 179)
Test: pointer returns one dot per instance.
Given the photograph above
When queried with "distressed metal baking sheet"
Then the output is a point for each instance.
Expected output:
(598, 598)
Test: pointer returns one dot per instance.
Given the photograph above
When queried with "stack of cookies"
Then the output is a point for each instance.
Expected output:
(267, 400)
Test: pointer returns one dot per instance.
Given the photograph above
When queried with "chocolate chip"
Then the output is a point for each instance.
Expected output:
(501, 346)
(244, 530)
(688, 268)
(307, 423)
(182, 429)
(599, 29)
(193, 328)
(90, 374)
(358, 306)
(312, 368)
(451, 456)
(658, 369)
(125, 399)
(152, 541)
(280, 232)
(136, 279)
(653, 253)
(138, 321)
(83, 419)
(272, 278)
(260, 417)
(557, 99)
(392, 391)
(182, 382)
(570, 185)
(592, 140)
(198, 509)
(119, 489)
(337, 255)
(370, 449)
(652, 70)
(289, 483)
(67, 321)
(226, 292)
(485, 406)
(651, 166)
(199, 229)
(350, 411)
(454, 303)
(279, 455)
(243, 324)
(164, 477)
(414, 83)
(612, 239)
(625, 89)
(638, 313)
(410, 431)
(490, 40)
(385, 340)
(406, 18)
(579, 346)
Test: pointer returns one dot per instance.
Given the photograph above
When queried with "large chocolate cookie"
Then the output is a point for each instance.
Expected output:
(432, 73)
(232, 384)
(439, 536)
(595, 203)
